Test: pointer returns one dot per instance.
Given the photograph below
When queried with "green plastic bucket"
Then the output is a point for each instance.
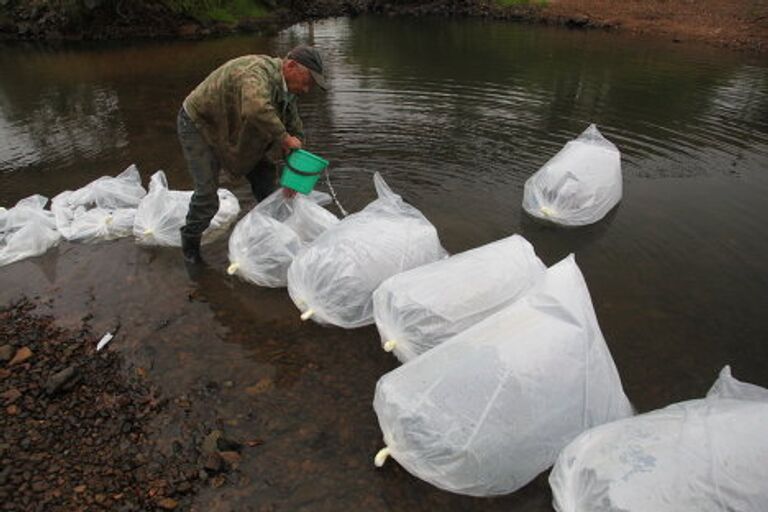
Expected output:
(302, 170)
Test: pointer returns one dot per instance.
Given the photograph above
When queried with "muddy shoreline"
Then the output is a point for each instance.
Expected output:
(84, 430)
(734, 24)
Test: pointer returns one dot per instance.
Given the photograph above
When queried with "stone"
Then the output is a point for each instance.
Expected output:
(231, 458)
(10, 396)
(210, 442)
(264, 385)
(188, 31)
(167, 503)
(21, 355)
(6, 352)
(80, 489)
(213, 463)
(12, 410)
(218, 481)
(225, 444)
(58, 380)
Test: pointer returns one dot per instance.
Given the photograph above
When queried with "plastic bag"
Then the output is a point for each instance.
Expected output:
(332, 281)
(421, 308)
(163, 212)
(26, 230)
(102, 210)
(579, 185)
(488, 410)
(265, 241)
(705, 455)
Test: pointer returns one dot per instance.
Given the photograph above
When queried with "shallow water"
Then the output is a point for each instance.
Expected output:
(456, 115)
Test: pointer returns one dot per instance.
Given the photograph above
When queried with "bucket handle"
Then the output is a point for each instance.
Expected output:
(297, 171)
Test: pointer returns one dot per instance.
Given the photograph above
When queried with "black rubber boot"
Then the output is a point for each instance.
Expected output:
(190, 248)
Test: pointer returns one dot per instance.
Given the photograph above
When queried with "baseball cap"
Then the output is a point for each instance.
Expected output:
(310, 58)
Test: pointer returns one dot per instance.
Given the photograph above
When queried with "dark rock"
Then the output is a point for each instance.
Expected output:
(225, 444)
(218, 481)
(6, 353)
(578, 21)
(39, 486)
(231, 458)
(213, 463)
(58, 380)
(10, 396)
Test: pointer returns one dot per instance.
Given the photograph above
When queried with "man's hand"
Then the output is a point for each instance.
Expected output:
(289, 143)
(288, 193)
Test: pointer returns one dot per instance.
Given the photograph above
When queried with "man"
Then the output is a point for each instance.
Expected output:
(241, 118)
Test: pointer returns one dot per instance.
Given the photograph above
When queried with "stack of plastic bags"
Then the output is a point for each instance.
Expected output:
(708, 455)
(265, 241)
(579, 185)
(333, 279)
(421, 308)
(102, 210)
(162, 213)
(26, 230)
(485, 412)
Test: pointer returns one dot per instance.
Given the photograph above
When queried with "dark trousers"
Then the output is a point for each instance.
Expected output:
(204, 168)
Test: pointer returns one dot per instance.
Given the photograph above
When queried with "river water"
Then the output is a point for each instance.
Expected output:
(456, 115)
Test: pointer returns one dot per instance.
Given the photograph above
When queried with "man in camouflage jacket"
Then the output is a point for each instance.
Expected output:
(241, 118)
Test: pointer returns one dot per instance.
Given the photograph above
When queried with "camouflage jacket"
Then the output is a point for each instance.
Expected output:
(243, 110)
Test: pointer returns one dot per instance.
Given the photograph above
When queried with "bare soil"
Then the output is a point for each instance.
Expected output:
(738, 24)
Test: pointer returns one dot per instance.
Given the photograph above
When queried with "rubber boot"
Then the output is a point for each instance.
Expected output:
(190, 248)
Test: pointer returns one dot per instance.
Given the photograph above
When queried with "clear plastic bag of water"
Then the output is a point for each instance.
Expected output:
(102, 210)
(162, 213)
(265, 242)
(419, 309)
(707, 455)
(26, 230)
(333, 279)
(579, 185)
(485, 412)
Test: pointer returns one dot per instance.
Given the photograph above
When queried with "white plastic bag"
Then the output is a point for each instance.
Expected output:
(421, 308)
(162, 213)
(26, 230)
(579, 185)
(708, 455)
(265, 241)
(332, 281)
(485, 412)
(102, 210)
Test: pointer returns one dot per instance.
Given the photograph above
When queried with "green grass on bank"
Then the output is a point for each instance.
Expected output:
(227, 11)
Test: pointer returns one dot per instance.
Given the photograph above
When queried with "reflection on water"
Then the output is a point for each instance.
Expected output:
(62, 127)
(456, 115)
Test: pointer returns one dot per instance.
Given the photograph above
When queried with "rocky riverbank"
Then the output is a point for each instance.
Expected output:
(737, 24)
(82, 431)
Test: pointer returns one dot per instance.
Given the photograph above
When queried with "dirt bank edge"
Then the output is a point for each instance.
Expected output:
(735, 24)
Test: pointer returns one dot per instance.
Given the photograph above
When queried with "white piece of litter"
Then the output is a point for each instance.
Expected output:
(104, 340)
